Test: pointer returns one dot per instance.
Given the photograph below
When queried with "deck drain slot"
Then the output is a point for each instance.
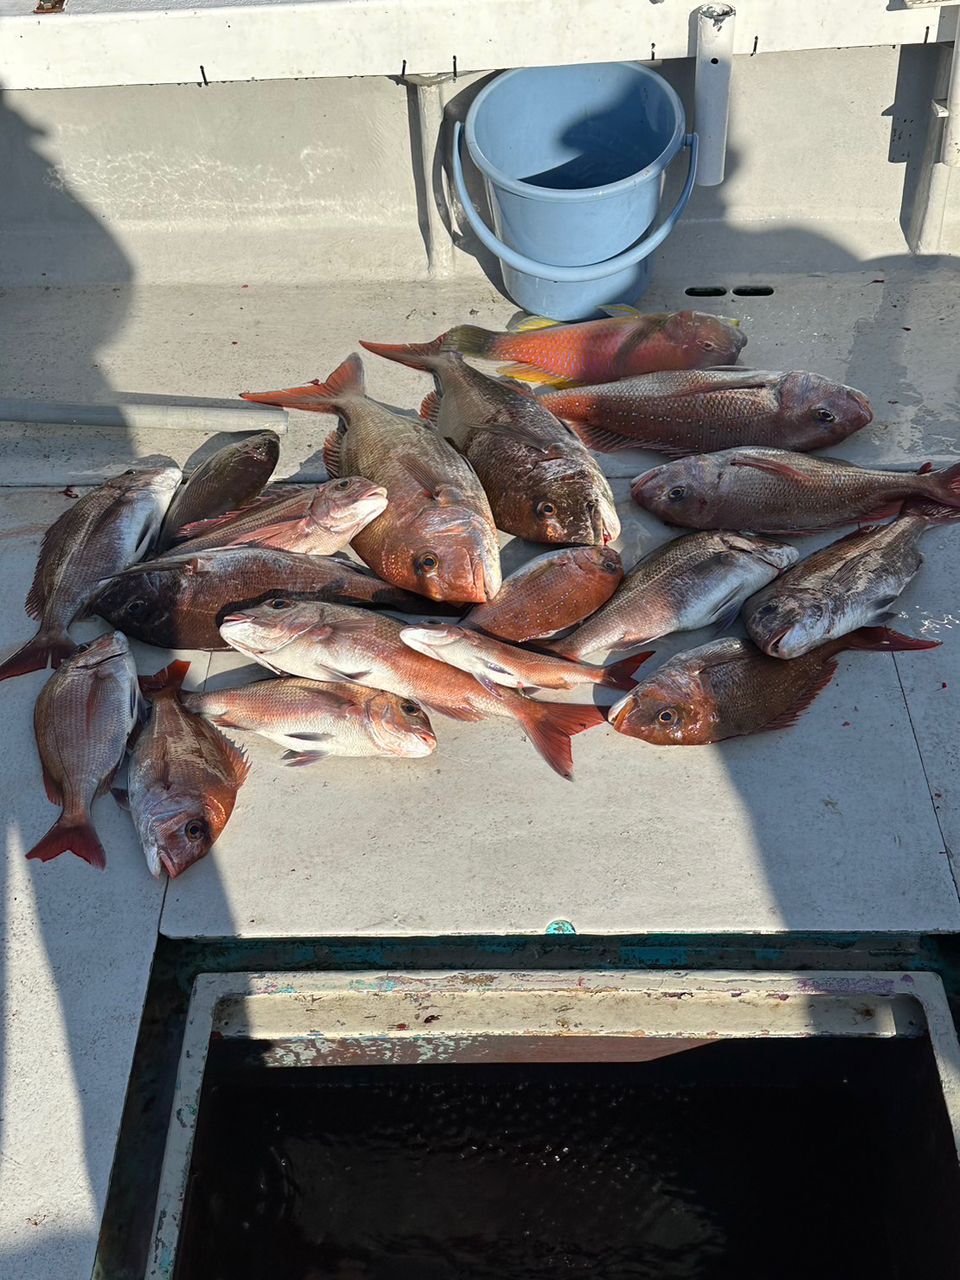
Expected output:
(753, 290)
(705, 291)
(528, 1125)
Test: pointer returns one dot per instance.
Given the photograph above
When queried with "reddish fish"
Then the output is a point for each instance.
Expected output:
(108, 529)
(729, 688)
(494, 663)
(775, 491)
(184, 778)
(703, 410)
(83, 717)
(324, 642)
(623, 344)
(314, 719)
(549, 594)
(315, 522)
(437, 534)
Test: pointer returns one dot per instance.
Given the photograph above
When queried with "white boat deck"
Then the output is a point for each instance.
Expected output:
(836, 825)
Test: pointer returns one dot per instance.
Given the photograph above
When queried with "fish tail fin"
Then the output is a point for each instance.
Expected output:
(945, 485)
(550, 727)
(883, 640)
(416, 355)
(47, 648)
(619, 675)
(74, 836)
(168, 681)
(471, 340)
(932, 512)
(319, 397)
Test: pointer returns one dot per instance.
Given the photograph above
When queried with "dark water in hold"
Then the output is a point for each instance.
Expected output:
(764, 1160)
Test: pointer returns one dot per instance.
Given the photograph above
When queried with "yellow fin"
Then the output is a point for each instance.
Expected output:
(524, 373)
(529, 323)
(619, 309)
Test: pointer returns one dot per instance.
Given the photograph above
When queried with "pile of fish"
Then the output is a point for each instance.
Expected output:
(358, 655)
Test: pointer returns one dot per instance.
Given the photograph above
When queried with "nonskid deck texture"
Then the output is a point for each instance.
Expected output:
(841, 823)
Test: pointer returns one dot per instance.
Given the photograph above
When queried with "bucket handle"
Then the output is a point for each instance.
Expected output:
(573, 275)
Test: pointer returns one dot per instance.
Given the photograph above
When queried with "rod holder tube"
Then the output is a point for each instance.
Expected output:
(715, 23)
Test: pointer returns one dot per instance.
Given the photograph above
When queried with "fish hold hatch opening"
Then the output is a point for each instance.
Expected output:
(705, 291)
(692, 1165)
(530, 1125)
(753, 290)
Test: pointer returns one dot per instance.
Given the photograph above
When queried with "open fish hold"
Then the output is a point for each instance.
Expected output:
(493, 662)
(179, 601)
(777, 491)
(103, 532)
(699, 580)
(850, 584)
(549, 593)
(543, 484)
(320, 641)
(316, 522)
(229, 478)
(729, 688)
(82, 719)
(703, 410)
(624, 343)
(315, 720)
(437, 535)
(183, 778)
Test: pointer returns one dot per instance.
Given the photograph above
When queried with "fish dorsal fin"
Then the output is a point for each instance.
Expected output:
(720, 652)
(529, 324)
(51, 787)
(168, 680)
(603, 440)
(331, 454)
(430, 408)
(819, 679)
(619, 309)
(774, 466)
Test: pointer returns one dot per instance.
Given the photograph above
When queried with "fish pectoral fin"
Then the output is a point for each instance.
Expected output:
(772, 465)
(617, 309)
(294, 759)
(491, 686)
(439, 490)
(526, 373)
(309, 737)
(726, 612)
(122, 796)
(817, 684)
(529, 324)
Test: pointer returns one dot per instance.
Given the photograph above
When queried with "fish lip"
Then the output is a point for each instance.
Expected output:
(772, 645)
(617, 712)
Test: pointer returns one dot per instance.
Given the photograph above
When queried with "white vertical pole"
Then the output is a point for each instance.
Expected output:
(950, 147)
(714, 61)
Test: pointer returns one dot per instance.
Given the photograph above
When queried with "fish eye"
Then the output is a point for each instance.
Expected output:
(135, 606)
(546, 509)
(429, 562)
(824, 415)
(707, 345)
(610, 566)
(668, 716)
(342, 484)
(409, 708)
(677, 492)
(279, 603)
(765, 610)
(195, 829)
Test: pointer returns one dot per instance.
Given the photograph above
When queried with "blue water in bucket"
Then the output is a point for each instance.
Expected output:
(573, 160)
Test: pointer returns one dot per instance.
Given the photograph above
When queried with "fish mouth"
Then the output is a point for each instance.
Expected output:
(776, 640)
(233, 618)
(620, 711)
